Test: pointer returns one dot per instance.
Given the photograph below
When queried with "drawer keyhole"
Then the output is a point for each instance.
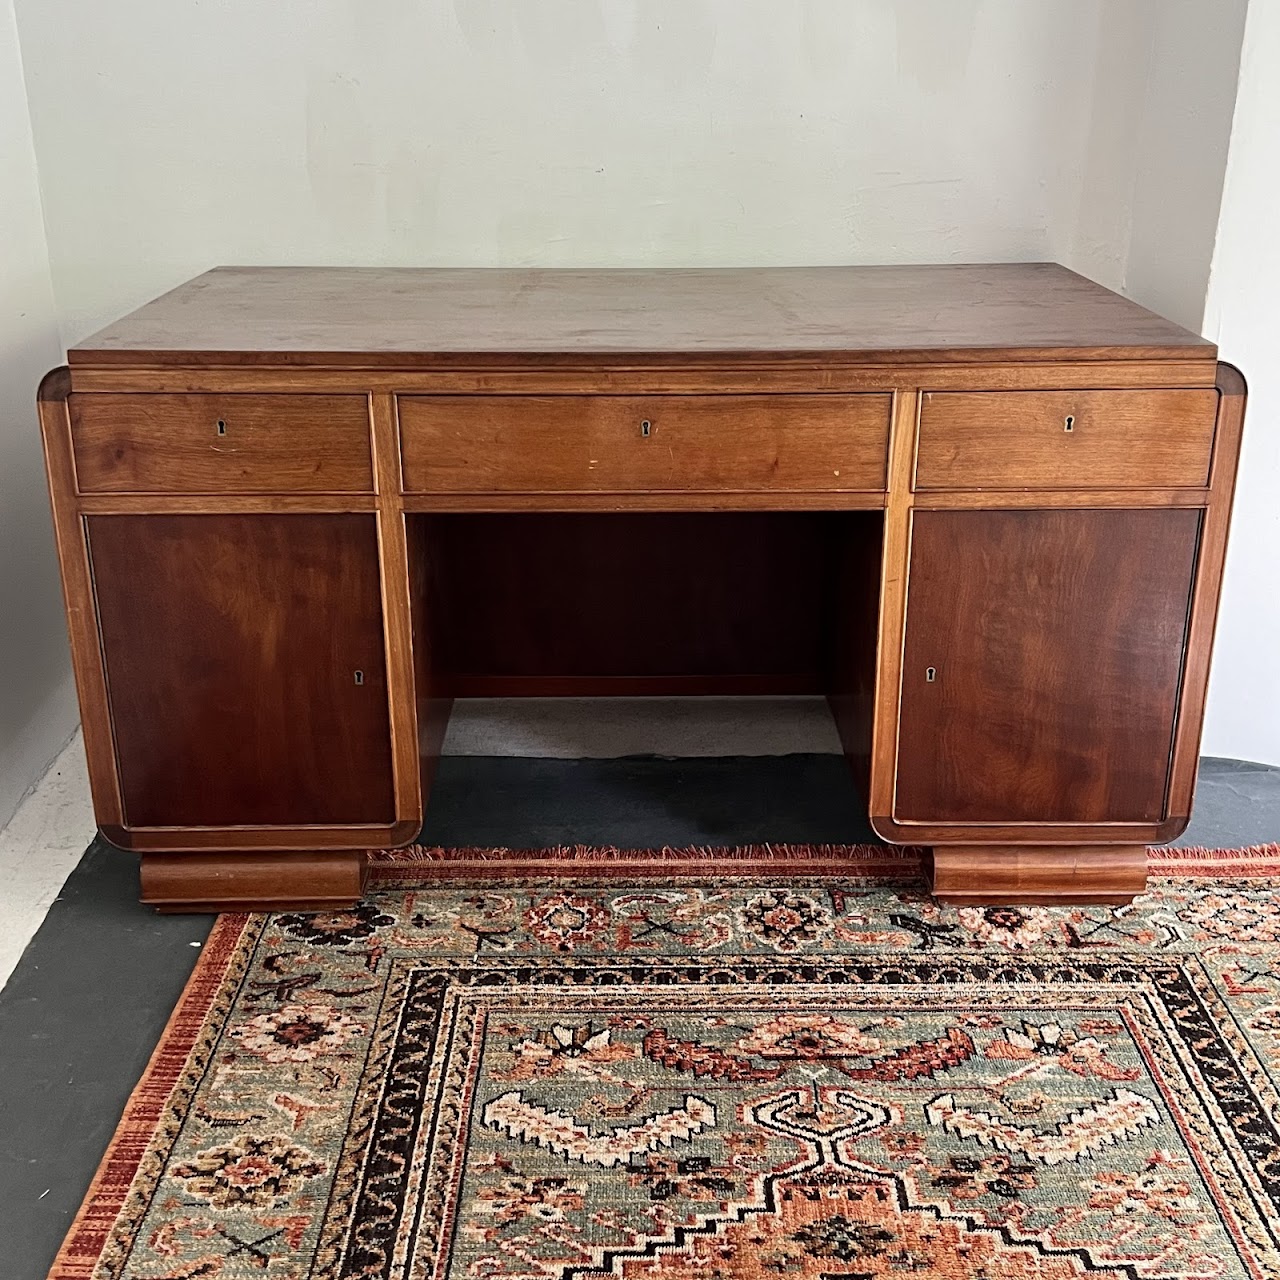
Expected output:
(1070, 423)
(359, 677)
(645, 428)
(930, 674)
(222, 427)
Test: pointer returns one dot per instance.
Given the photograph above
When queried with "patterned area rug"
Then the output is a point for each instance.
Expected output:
(805, 1079)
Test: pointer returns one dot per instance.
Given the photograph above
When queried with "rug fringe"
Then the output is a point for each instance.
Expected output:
(1255, 860)
(664, 853)
(870, 861)
(864, 862)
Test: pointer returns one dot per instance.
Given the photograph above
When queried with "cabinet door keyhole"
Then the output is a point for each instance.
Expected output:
(222, 427)
(359, 677)
(645, 427)
(930, 674)
(1070, 423)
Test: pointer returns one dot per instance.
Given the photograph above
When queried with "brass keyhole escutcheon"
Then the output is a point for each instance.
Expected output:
(930, 674)
(222, 427)
(359, 677)
(1070, 423)
(645, 428)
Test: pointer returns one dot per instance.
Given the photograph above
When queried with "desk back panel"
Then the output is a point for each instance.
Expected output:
(657, 603)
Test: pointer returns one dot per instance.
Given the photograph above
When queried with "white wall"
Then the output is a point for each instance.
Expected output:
(1242, 315)
(37, 707)
(1189, 57)
(174, 134)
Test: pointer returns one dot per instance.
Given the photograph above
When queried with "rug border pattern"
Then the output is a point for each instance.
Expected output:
(173, 1068)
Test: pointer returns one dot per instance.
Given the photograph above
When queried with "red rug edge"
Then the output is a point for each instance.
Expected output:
(86, 1240)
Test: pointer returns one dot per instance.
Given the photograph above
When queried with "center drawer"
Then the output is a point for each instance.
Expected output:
(656, 443)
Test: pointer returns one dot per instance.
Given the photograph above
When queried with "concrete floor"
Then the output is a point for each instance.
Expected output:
(40, 847)
(88, 1000)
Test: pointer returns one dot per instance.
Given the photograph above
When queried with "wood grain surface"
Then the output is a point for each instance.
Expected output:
(407, 317)
(239, 444)
(252, 881)
(1042, 664)
(232, 646)
(1046, 875)
(1066, 439)
(617, 444)
(546, 604)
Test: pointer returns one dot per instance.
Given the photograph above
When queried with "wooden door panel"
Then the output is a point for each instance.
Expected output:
(231, 645)
(1055, 641)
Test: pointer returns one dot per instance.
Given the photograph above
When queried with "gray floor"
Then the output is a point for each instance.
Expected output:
(91, 995)
(1237, 804)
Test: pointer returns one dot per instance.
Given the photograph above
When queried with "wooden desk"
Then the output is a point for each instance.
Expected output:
(983, 509)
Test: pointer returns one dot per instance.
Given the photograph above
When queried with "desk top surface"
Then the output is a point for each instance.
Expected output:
(406, 317)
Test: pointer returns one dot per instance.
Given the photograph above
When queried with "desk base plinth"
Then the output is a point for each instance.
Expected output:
(207, 882)
(1037, 875)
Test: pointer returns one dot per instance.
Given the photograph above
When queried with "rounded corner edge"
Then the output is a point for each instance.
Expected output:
(1230, 381)
(1171, 828)
(887, 829)
(117, 836)
(55, 386)
(404, 832)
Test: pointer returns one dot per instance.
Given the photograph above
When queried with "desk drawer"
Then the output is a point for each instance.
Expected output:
(230, 443)
(602, 444)
(1065, 439)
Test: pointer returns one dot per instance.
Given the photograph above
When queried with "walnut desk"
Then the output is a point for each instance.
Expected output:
(984, 509)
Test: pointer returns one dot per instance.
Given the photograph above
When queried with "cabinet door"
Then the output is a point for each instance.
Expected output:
(245, 668)
(1042, 664)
